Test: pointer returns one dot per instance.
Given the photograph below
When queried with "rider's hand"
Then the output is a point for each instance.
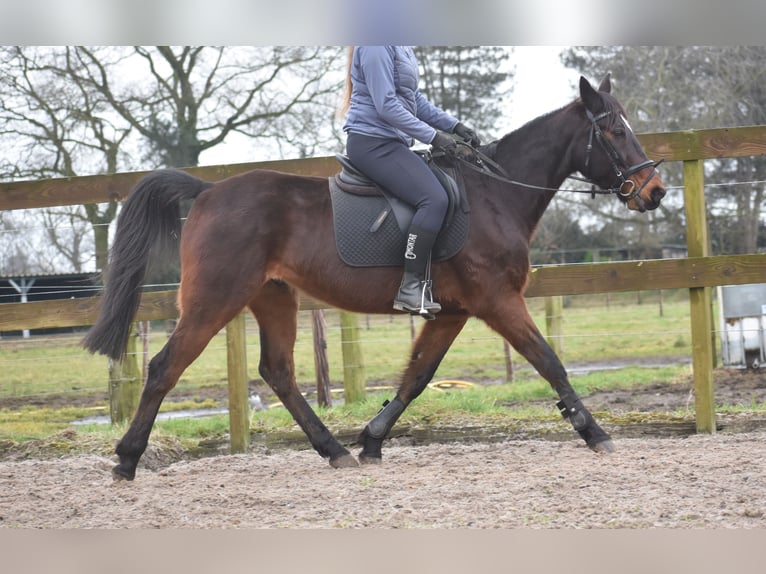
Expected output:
(444, 143)
(467, 134)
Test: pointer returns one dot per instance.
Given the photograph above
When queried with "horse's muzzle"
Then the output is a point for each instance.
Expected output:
(648, 195)
(654, 195)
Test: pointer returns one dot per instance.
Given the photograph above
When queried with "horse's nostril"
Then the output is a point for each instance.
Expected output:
(658, 193)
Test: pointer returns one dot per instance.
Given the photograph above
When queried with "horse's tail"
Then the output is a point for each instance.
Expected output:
(150, 219)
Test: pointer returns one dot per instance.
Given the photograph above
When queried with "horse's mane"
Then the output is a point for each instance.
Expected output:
(534, 124)
(517, 137)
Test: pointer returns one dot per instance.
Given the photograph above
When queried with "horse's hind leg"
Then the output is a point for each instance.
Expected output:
(427, 352)
(511, 319)
(189, 339)
(275, 308)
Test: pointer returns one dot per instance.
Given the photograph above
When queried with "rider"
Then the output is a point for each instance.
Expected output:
(386, 112)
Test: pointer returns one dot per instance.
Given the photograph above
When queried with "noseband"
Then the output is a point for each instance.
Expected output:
(624, 187)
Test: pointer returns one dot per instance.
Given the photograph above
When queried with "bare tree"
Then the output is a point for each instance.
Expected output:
(193, 97)
(468, 81)
(77, 110)
(693, 87)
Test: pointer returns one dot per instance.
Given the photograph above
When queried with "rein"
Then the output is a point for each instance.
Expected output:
(485, 165)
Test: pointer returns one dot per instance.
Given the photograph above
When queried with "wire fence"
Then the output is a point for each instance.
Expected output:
(619, 329)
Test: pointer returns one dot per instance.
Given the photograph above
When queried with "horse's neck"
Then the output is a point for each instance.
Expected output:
(538, 154)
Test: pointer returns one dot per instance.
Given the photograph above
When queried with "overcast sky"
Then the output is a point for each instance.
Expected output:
(541, 84)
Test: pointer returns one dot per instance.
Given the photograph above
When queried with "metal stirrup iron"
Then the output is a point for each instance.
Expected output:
(427, 282)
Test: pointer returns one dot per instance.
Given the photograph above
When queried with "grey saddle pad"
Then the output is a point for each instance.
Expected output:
(370, 227)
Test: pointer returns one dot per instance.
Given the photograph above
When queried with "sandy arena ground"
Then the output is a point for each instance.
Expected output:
(696, 482)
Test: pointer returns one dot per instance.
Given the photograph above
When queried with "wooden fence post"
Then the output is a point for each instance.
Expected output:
(321, 364)
(239, 407)
(125, 383)
(700, 298)
(554, 323)
(508, 361)
(354, 380)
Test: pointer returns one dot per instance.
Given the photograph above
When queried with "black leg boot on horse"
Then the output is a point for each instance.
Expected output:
(415, 294)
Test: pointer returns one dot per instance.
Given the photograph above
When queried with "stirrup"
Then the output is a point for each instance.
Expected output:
(421, 309)
(426, 292)
(418, 295)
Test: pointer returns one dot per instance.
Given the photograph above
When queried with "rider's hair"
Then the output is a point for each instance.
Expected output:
(346, 102)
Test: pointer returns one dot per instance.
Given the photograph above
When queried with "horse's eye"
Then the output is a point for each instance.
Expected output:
(619, 131)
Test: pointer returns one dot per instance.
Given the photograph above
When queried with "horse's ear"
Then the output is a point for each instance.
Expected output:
(606, 84)
(590, 97)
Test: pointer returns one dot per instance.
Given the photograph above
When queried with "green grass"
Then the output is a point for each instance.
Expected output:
(48, 365)
(483, 402)
(497, 405)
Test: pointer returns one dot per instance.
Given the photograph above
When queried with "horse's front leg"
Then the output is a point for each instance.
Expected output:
(511, 319)
(427, 352)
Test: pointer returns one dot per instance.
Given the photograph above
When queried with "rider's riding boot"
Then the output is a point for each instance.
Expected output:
(414, 293)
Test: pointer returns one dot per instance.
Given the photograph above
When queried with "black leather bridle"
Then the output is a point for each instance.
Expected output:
(623, 186)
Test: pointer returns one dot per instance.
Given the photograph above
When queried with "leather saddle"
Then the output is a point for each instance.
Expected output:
(371, 223)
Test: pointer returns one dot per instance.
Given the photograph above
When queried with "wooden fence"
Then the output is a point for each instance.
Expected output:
(699, 272)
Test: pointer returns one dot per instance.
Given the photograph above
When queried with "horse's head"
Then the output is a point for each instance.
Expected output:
(614, 159)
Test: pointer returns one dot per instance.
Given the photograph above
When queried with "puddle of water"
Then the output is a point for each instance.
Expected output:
(172, 415)
(575, 370)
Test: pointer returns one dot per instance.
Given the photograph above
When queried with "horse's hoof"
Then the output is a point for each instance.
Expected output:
(370, 459)
(345, 461)
(603, 447)
(119, 473)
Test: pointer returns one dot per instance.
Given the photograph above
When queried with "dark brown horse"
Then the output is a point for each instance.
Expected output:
(255, 239)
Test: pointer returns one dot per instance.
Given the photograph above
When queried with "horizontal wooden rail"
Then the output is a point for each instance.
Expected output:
(705, 144)
(586, 278)
(573, 279)
(117, 186)
(57, 313)
(671, 146)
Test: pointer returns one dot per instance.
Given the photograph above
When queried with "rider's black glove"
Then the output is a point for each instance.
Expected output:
(467, 134)
(442, 142)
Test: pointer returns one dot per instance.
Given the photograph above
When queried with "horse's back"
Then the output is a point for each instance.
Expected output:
(269, 180)
(259, 210)
(259, 190)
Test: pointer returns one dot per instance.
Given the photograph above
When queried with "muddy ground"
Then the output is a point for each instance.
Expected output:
(660, 477)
